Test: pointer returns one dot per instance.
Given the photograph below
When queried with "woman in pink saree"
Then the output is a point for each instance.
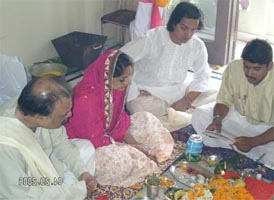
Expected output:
(124, 144)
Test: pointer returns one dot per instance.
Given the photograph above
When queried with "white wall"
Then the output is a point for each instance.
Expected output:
(258, 19)
(28, 26)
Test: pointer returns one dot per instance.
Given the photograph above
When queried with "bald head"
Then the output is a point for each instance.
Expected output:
(41, 94)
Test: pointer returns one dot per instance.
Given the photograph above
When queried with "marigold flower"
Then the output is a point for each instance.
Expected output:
(223, 190)
(162, 3)
(197, 191)
(220, 189)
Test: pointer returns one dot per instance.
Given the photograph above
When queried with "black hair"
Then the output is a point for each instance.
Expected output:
(185, 10)
(31, 101)
(258, 51)
(123, 61)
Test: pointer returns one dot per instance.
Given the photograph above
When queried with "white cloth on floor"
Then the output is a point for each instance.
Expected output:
(12, 77)
(174, 120)
(171, 119)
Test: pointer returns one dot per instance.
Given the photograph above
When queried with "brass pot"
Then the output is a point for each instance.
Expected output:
(48, 69)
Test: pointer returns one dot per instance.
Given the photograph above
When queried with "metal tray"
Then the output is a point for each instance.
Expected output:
(189, 173)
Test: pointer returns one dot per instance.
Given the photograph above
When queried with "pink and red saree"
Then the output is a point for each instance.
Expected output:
(99, 116)
(98, 111)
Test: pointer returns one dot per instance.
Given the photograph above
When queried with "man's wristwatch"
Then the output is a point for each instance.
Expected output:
(217, 117)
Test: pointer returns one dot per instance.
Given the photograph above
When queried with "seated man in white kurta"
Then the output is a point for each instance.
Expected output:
(245, 105)
(162, 58)
(34, 147)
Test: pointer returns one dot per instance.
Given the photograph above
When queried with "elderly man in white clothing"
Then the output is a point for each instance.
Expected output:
(37, 159)
(244, 109)
(162, 58)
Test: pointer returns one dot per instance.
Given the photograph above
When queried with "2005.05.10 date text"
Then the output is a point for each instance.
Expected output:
(43, 181)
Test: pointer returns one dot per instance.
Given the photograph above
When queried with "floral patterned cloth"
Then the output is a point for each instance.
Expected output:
(150, 133)
(122, 165)
(122, 193)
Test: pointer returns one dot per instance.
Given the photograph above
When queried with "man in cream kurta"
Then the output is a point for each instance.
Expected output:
(245, 105)
(33, 163)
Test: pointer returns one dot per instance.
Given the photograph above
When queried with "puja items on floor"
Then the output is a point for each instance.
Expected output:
(217, 188)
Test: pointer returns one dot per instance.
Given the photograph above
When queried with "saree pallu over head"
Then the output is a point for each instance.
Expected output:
(98, 110)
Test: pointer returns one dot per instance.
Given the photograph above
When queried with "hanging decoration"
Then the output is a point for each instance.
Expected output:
(162, 3)
(245, 4)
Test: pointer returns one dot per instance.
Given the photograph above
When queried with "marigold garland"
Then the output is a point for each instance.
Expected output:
(162, 3)
(224, 190)
(218, 183)
(197, 191)
(221, 189)
(240, 193)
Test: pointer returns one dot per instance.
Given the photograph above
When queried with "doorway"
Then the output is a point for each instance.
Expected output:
(229, 24)
(220, 27)
(255, 21)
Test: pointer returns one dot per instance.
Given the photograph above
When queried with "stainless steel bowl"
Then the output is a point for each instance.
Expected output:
(48, 69)
(143, 198)
(213, 160)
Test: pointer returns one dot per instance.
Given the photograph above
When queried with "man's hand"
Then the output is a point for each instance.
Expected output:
(186, 102)
(220, 112)
(245, 144)
(144, 93)
(91, 183)
(216, 125)
(182, 105)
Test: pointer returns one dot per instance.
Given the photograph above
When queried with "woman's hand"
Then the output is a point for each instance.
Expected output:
(91, 183)
(129, 139)
(145, 151)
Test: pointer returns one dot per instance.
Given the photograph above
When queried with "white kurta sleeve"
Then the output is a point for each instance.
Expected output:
(138, 49)
(16, 183)
(202, 71)
(66, 152)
